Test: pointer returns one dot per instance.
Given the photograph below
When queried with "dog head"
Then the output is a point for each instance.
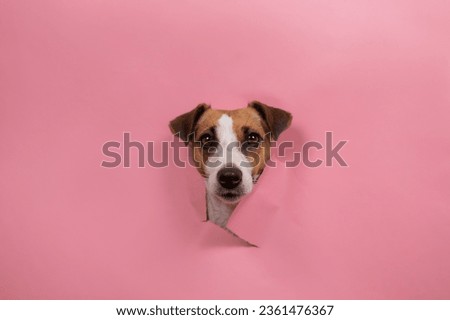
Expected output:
(230, 147)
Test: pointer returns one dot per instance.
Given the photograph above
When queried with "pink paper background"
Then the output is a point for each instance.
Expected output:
(75, 74)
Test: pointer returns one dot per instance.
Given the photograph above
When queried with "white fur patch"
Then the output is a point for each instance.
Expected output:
(228, 154)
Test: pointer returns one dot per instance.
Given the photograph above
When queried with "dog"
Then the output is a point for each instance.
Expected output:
(230, 149)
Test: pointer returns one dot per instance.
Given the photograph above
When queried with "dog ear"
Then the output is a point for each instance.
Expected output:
(276, 119)
(184, 125)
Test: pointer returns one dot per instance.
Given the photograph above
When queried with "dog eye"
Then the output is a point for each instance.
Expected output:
(207, 141)
(205, 138)
(252, 142)
(253, 137)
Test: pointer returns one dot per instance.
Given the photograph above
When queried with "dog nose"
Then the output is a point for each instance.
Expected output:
(229, 178)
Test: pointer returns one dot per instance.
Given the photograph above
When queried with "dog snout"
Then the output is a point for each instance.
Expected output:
(229, 178)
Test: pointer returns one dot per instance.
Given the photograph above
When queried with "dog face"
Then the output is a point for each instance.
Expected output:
(230, 147)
